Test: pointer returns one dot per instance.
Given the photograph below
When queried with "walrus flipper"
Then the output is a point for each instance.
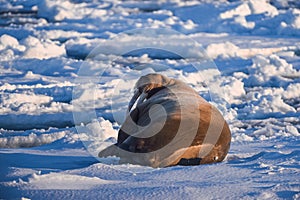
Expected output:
(109, 151)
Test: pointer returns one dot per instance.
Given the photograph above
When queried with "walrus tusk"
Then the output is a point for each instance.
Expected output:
(143, 96)
(136, 95)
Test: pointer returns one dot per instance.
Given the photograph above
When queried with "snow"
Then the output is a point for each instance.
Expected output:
(226, 49)
(67, 71)
(47, 49)
(30, 141)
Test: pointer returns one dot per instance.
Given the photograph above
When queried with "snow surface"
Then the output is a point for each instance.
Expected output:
(67, 69)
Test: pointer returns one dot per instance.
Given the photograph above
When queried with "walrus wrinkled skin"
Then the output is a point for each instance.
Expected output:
(170, 125)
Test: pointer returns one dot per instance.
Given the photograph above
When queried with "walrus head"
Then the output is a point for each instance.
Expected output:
(147, 86)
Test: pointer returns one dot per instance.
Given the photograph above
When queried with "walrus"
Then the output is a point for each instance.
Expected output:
(171, 124)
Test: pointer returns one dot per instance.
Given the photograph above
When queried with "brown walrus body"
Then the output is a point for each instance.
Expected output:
(170, 125)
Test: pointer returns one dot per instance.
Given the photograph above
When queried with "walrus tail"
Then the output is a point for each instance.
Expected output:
(189, 162)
